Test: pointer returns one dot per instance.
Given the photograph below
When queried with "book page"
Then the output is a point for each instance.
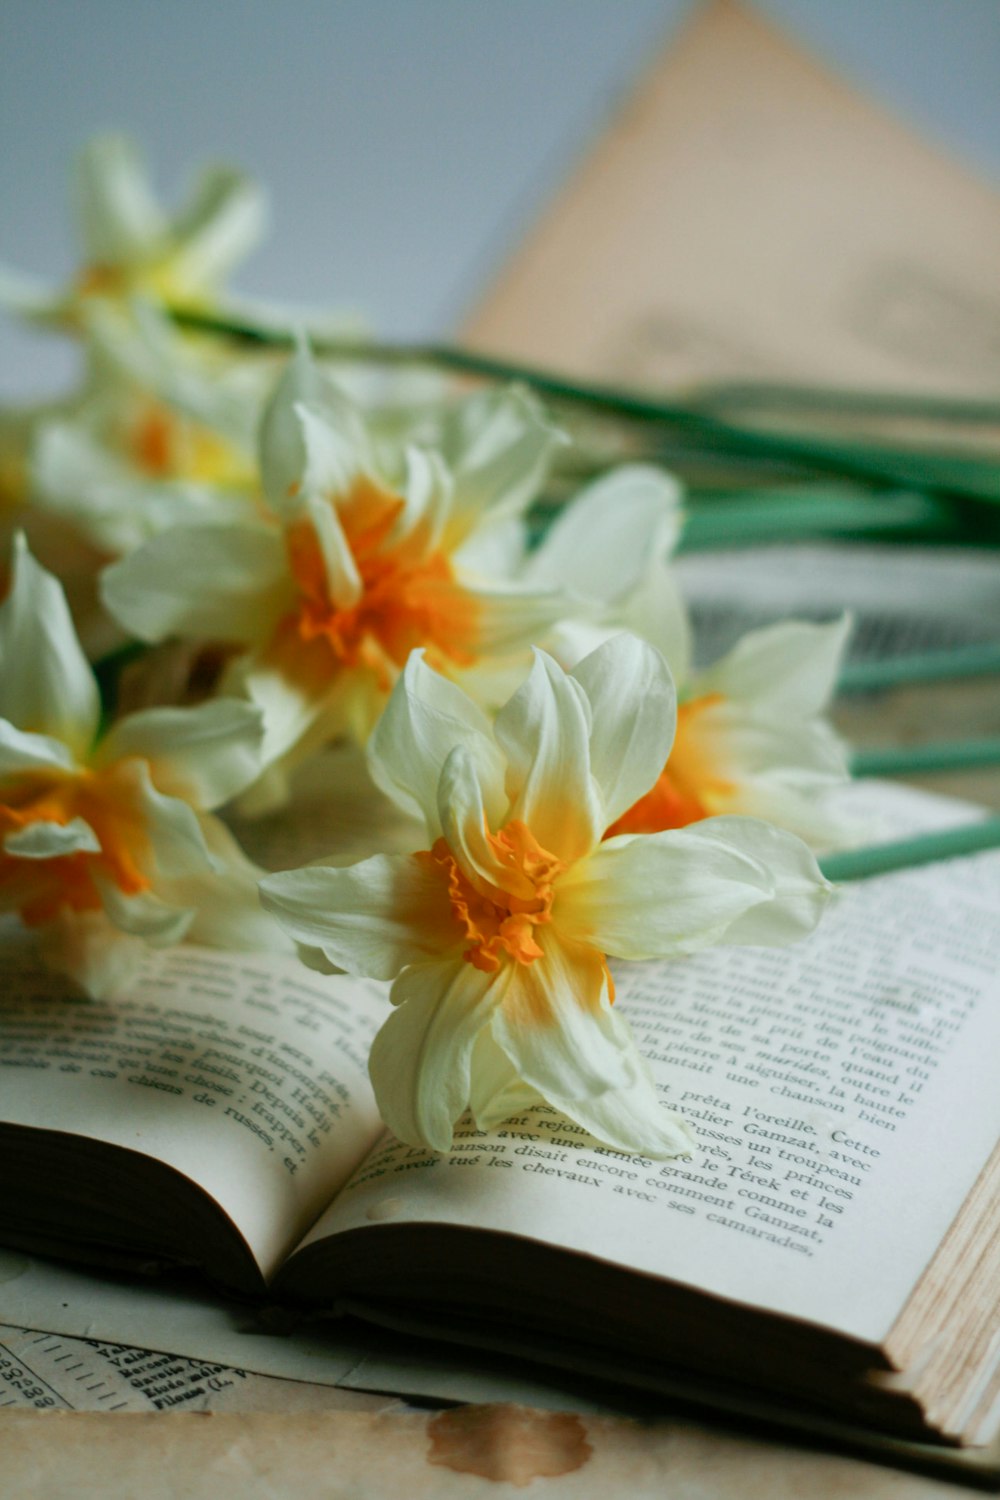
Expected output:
(842, 1092)
(247, 1073)
(749, 216)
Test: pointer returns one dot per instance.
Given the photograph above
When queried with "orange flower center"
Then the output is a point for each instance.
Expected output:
(406, 601)
(688, 788)
(169, 446)
(40, 888)
(500, 923)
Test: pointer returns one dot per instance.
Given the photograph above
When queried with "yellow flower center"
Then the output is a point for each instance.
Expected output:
(688, 788)
(168, 446)
(40, 888)
(406, 601)
(500, 923)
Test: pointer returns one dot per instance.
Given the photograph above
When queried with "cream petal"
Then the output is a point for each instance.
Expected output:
(225, 903)
(566, 1042)
(300, 691)
(20, 753)
(221, 583)
(511, 617)
(144, 915)
(425, 718)
(120, 221)
(601, 542)
(164, 826)
(544, 731)
(789, 669)
(90, 949)
(28, 296)
(633, 714)
(46, 685)
(206, 755)
(500, 452)
(420, 1061)
(496, 1092)
(371, 918)
(311, 436)
(494, 552)
(116, 510)
(342, 577)
(655, 610)
(745, 746)
(224, 220)
(662, 895)
(427, 496)
(464, 823)
(50, 840)
(811, 816)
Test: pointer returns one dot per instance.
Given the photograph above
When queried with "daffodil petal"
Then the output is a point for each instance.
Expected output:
(221, 583)
(427, 496)
(723, 880)
(500, 454)
(371, 918)
(21, 753)
(633, 715)
(166, 826)
(43, 840)
(343, 580)
(510, 617)
(425, 718)
(312, 438)
(205, 755)
(223, 221)
(496, 1092)
(565, 1041)
(463, 821)
(46, 685)
(302, 698)
(544, 731)
(601, 542)
(120, 220)
(88, 947)
(789, 669)
(746, 746)
(225, 903)
(144, 915)
(420, 1061)
(77, 479)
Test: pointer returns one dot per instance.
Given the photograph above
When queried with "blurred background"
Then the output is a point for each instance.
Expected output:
(406, 144)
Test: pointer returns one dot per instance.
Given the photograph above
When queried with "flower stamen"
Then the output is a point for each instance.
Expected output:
(40, 888)
(500, 922)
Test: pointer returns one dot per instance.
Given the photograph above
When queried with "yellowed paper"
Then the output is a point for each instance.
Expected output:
(749, 216)
(499, 1451)
(247, 1073)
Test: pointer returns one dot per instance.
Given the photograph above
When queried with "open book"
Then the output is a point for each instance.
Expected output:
(833, 1241)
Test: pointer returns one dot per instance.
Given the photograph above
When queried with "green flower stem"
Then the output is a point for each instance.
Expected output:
(945, 755)
(881, 859)
(757, 516)
(973, 478)
(930, 666)
(836, 401)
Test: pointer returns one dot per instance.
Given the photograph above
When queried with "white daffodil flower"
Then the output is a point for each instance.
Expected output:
(497, 934)
(752, 738)
(131, 246)
(106, 842)
(163, 436)
(363, 559)
(751, 733)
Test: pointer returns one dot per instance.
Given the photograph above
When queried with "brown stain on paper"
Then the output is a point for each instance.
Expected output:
(511, 1443)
